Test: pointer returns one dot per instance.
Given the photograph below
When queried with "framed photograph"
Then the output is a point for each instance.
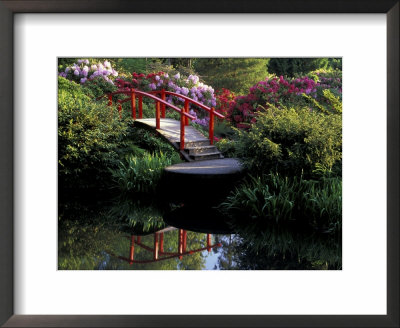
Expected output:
(140, 232)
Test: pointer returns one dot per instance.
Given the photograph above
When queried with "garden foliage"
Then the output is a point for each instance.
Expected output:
(280, 92)
(89, 137)
(292, 142)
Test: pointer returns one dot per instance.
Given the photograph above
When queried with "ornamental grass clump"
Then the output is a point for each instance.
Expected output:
(272, 199)
(141, 174)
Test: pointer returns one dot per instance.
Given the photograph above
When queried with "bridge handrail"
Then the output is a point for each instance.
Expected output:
(161, 105)
(194, 102)
(166, 103)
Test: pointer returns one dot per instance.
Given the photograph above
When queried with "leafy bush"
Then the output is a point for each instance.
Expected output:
(226, 147)
(135, 217)
(88, 138)
(149, 141)
(292, 142)
(142, 174)
(97, 87)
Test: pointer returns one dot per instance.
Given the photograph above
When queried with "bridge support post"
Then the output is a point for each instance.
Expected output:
(184, 240)
(163, 105)
(186, 111)
(132, 250)
(209, 242)
(133, 104)
(140, 106)
(155, 246)
(211, 126)
(182, 141)
(180, 243)
(157, 115)
(161, 242)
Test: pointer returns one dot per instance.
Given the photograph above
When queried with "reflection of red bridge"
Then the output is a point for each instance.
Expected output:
(158, 248)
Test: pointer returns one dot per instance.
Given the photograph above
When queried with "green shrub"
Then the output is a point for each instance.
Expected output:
(292, 142)
(150, 142)
(135, 217)
(226, 147)
(98, 87)
(142, 174)
(88, 138)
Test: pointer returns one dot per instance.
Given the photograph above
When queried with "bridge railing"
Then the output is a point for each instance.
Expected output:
(158, 250)
(132, 93)
(211, 110)
(162, 104)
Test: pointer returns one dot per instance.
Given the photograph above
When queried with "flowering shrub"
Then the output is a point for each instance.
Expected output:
(279, 92)
(225, 98)
(190, 87)
(83, 71)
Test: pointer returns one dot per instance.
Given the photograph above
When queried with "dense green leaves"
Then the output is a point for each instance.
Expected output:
(89, 137)
(292, 142)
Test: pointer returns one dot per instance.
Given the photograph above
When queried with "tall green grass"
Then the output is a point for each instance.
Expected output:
(142, 174)
(273, 199)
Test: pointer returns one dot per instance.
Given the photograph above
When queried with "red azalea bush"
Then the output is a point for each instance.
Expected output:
(225, 98)
(279, 92)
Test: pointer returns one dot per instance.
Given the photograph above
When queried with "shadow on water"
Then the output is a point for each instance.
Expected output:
(142, 235)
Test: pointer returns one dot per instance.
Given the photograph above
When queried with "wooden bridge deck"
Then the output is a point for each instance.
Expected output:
(196, 147)
(170, 129)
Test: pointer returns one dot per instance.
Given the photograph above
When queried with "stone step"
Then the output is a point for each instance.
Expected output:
(204, 157)
(197, 143)
(201, 150)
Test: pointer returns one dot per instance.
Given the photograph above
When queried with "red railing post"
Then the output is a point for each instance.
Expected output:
(184, 240)
(155, 246)
(138, 239)
(140, 106)
(182, 143)
(132, 250)
(161, 242)
(209, 242)
(163, 105)
(110, 101)
(211, 126)
(180, 243)
(186, 111)
(133, 104)
(157, 115)
(120, 110)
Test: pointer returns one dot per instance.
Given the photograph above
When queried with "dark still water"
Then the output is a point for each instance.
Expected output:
(134, 236)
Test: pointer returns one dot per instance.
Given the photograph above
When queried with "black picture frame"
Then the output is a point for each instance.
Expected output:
(10, 7)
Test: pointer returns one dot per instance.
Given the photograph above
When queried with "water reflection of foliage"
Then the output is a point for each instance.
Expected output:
(281, 249)
(140, 216)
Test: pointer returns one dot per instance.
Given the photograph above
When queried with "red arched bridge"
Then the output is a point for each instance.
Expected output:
(192, 144)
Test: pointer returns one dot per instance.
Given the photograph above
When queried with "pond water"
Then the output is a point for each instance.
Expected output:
(98, 237)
